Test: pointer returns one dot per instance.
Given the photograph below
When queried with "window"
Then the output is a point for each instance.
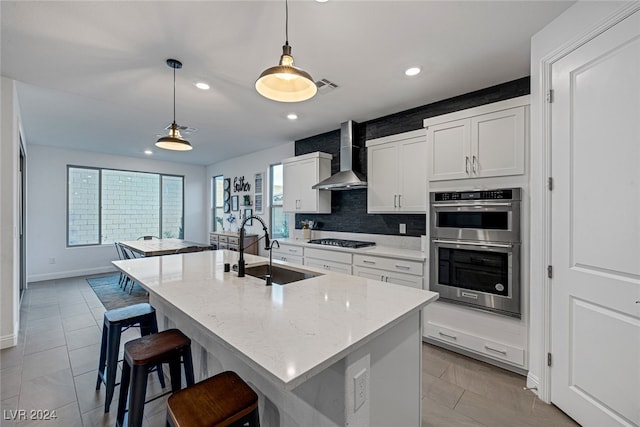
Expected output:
(279, 219)
(218, 202)
(106, 205)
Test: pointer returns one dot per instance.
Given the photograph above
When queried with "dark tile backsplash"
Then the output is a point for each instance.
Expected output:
(349, 208)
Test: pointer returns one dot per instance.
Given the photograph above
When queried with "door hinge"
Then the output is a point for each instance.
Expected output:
(549, 271)
(550, 183)
(548, 359)
(550, 96)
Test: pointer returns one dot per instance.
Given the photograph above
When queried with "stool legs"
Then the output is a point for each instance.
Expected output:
(122, 399)
(149, 329)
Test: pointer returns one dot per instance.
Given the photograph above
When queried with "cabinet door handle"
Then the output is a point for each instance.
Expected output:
(399, 199)
(504, 353)
(381, 278)
(395, 196)
(453, 337)
(292, 250)
(475, 164)
(405, 267)
(466, 164)
(366, 261)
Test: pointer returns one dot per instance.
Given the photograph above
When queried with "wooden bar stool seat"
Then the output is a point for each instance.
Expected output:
(115, 322)
(140, 357)
(220, 401)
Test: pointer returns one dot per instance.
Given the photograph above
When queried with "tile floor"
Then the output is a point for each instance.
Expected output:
(54, 366)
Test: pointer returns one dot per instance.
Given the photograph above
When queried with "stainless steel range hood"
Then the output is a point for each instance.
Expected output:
(347, 178)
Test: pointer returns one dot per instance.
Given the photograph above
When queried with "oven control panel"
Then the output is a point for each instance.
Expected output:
(501, 194)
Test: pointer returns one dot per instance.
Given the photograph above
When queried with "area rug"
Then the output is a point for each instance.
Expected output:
(111, 294)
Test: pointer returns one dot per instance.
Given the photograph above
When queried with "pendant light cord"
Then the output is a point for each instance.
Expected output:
(174, 94)
(286, 21)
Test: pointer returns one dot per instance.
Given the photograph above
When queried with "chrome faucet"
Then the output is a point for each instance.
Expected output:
(268, 278)
(267, 245)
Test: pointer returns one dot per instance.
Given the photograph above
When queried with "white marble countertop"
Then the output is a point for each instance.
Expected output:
(387, 251)
(288, 332)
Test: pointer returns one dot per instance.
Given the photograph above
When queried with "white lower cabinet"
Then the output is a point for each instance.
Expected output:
(489, 336)
(476, 344)
(288, 253)
(390, 270)
(340, 262)
(388, 276)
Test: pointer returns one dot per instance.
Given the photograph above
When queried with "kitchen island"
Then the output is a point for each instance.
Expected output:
(332, 350)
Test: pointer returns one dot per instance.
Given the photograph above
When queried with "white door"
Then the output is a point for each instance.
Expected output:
(412, 175)
(449, 145)
(497, 143)
(595, 220)
(383, 178)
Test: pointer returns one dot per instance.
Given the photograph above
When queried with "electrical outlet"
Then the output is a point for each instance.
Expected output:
(403, 228)
(52, 260)
(360, 389)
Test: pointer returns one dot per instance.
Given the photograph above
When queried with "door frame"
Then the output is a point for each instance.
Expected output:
(541, 251)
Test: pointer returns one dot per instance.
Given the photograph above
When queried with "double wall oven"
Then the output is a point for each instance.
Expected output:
(475, 248)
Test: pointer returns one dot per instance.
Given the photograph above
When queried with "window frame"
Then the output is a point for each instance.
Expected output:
(214, 197)
(99, 171)
(271, 204)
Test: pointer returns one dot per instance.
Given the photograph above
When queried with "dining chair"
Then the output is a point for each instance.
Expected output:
(148, 238)
(120, 257)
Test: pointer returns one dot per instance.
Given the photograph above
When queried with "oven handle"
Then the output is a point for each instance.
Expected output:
(466, 205)
(459, 242)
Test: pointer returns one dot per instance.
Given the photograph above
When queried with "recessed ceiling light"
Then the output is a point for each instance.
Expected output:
(202, 85)
(148, 152)
(413, 71)
(292, 116)
(322, 1)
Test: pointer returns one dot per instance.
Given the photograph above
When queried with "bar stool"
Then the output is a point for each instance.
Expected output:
(115, 322)
(140, 357)
(220, 401)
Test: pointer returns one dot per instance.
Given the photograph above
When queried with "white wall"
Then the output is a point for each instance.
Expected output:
(547, 46)
(47, 211)
(248, 166)
(9, 241)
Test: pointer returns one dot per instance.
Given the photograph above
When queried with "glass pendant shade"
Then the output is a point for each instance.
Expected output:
(174, 140)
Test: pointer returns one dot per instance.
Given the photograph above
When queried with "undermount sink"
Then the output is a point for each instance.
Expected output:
(279, 274)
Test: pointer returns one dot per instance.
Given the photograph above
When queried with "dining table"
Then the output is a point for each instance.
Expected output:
(158, 247)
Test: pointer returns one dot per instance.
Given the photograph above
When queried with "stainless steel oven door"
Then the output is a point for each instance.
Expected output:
(492, 221)
(483, 275)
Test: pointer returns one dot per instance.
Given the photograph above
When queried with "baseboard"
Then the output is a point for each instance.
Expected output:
(71, 273)
(8, 341)
(533, 383)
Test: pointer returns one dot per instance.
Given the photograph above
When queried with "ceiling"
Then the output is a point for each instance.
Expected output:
(92, 75)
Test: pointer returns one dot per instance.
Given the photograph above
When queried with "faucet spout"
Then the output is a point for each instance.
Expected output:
(270, 275)
(267, 245)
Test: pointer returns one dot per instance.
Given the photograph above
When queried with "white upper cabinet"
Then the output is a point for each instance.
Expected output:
(480, 142)
(300, 173)
(397, 175)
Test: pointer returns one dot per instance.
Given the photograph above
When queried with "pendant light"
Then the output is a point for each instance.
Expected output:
(284, 82)
(174, 140)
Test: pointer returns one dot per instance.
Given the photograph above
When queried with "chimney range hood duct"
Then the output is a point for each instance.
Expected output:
(347, 178)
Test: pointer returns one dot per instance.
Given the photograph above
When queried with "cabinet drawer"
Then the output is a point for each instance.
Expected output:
(485, 347)
(388, 276)
(337, 267)
(288, 250)
(223, 239)
(213, 239)
(336, 256)
(288, 258)
(233, 240)
(390, 264)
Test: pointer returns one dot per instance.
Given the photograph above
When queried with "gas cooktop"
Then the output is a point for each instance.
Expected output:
(342, 243)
